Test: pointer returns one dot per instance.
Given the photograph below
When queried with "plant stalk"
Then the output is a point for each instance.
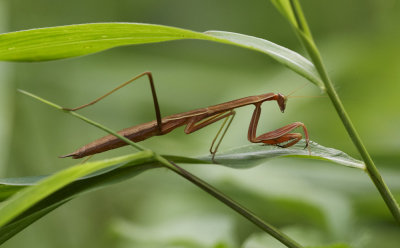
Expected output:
(369, 163)
(312, 50)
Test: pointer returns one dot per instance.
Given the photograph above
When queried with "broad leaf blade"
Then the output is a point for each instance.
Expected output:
(28, 197)
(76, 40)
(252, 155)
(100, 178)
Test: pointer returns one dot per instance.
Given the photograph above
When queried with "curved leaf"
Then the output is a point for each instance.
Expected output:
(76, 40)
(18, 204)
(252, 155)
(42, 205)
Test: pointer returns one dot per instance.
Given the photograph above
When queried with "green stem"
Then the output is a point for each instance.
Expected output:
(369, 163)
(371, 169)
(283, 238)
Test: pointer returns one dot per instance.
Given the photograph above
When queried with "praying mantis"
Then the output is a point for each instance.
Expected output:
(195, 120)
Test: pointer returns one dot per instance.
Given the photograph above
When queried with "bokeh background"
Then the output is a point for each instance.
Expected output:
(314, 202)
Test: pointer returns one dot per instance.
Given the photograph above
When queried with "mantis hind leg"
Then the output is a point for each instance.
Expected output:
(153, 92)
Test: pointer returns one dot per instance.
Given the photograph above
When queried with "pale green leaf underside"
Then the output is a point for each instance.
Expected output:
(76, 40)
(254, 154)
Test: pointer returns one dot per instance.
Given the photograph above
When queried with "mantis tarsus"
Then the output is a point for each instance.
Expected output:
(195, 120)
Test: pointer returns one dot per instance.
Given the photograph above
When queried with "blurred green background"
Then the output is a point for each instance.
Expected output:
(314, 202)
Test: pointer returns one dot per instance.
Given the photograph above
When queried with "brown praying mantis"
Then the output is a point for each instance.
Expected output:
(195, 120)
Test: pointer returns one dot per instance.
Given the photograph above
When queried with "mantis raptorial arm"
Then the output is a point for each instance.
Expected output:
(278, 136)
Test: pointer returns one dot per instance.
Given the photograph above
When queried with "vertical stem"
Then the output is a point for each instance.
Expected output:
(312, 50)
(369, 163)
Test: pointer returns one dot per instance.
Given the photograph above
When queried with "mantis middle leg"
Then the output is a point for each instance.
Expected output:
(197, 123)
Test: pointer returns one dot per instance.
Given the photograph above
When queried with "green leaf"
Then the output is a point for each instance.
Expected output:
(63, 191)
(47, 193)
(119, 172)
(76, 40)
(252, 155)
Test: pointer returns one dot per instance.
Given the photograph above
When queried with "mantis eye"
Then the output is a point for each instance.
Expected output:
(282, 102)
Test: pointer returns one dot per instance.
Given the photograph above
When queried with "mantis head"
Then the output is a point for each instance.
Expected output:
(282, 102)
